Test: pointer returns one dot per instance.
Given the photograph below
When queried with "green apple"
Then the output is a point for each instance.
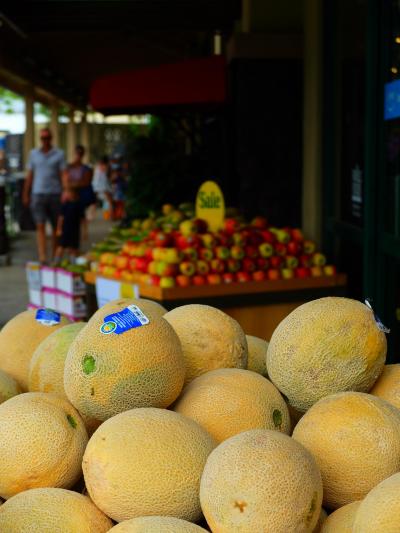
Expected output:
(266, 249)
(167, 282)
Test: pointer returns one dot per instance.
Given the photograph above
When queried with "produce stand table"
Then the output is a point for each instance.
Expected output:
(258, 306)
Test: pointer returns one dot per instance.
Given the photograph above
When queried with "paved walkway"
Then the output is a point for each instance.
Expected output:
(13, 287)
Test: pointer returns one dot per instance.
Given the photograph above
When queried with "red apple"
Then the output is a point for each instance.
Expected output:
(293, 248)
(217, 265)
(309, 247)
(258, 275)
(262, 263)
(302, 272)
(259, 222)
(199, 280)
(316, 271)
(318, 259)
(214, 279)
(268, 236)
(222, 252)
(224, 238)
(243, 277)
(280, 249)
(187, 268)
(233, 265)
(248, 265)
(163, 239)
(237, 252)
(182, 280)
(251, 251)
(291, 261)
(201, 225)
(273, 274)
(287, 273)
(202, 267)
(165, 269)
(329, 270)
(121, 262)
(266, 249)
(275, 261)
(228, 277)
(305, 260)
(142, 264)
(153, 280)
(206, 254)
(231, 225)
(297, 235)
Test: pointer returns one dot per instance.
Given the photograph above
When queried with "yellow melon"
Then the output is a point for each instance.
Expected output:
(210, 339)
(107, 372)
(19, 338)
(388, 385)
(46, 368)
(323, 347)
(379, 512)
(257, 356)
(52, 510)
(261, 480)
(146, 462)
(42, 440)
(156, 524)
(355, 439)
(321, 520)
(8, 387)
(342, 520)
(158, 309)
(228, 401)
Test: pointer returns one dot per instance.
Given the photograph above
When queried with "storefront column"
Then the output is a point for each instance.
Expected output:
(71, 135)
(54, 123)
(29, 135)
(85, 136)
(312, 122)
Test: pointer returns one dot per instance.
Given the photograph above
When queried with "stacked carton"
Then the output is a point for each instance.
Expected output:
(56, 288)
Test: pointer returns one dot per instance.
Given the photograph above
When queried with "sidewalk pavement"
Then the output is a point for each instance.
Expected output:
(13, 287)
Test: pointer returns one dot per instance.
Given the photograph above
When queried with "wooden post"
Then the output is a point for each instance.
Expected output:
(312, 122)
(29, 136)
(71, 135)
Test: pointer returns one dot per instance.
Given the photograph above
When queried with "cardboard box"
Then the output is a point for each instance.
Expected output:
(70, 282)
(33, 275)
(49, 298)
(35, 297)
(71, 305)
(48, 277)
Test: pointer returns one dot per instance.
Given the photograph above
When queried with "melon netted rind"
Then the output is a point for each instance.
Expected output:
(8, 387)
(341, 520)
(387, 386)
(355, 439)
(379, 512)
(261, 480)
(228, 401)
(210, 339)
(52, 510)
(321, 520)
(156, 524)
(19, 338)
(42, 441)
(107, 374)
(257, 356)
(146, 462)
(325, 346)
(46, 368)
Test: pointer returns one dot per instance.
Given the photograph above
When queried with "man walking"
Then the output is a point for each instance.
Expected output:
(42, 189)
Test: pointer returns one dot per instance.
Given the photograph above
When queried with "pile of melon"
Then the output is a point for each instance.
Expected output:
(148, 421)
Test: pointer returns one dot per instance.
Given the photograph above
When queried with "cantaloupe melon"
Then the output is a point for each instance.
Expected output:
(323, 347)
(228, 401)
(156, 524)
(146, 462)
(261, 480)
(42, 440)
(210, 339)
(8, 387)
(321, 520)
(52, 510)
(342, 520)
(19, 338)
(46, 368)
(107, 372)
(379, 512)
(257, 356)
(158, 309)
(355, 439)
(388, 385)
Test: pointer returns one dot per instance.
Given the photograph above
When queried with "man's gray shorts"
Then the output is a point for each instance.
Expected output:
(46, 207)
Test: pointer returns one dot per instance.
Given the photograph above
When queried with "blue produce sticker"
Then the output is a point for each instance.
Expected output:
(129, 318)
(48, 317)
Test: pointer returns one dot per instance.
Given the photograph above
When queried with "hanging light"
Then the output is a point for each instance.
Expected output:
(394, 70)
